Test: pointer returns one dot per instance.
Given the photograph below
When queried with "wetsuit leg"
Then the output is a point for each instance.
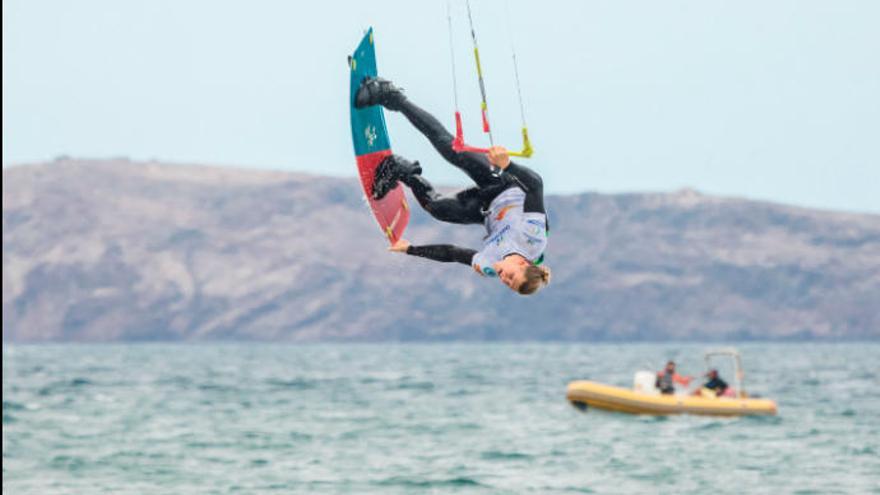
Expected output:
(475, 165)
(464, 207)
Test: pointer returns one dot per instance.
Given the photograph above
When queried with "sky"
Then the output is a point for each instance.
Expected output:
(767, 100)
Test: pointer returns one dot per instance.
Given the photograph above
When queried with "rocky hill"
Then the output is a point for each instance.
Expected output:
(115, 250)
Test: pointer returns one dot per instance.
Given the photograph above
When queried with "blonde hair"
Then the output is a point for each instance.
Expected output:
(536, 278)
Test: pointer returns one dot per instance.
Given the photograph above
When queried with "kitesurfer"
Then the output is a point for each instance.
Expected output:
(510, 204)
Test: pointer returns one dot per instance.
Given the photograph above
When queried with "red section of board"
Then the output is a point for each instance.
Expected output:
(392, 211)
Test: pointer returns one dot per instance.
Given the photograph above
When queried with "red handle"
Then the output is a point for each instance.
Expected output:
(458, 143)
(472, 149)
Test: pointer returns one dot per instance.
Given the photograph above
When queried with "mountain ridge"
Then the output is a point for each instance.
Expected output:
(106, 250)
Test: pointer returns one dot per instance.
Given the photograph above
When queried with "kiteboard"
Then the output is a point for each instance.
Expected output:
(371, 145)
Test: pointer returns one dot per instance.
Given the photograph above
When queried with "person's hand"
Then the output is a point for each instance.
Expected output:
(498, 156)
(400, 246)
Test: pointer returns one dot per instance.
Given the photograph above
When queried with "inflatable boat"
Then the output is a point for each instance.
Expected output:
(644, 398)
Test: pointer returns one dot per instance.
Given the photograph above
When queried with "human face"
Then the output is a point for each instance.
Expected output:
(512, 271)
(670, 367)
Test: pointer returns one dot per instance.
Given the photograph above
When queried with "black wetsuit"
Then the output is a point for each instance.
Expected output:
(467, 206)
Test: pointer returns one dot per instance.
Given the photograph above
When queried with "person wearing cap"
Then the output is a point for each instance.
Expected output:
(715, 386)
(667, 379)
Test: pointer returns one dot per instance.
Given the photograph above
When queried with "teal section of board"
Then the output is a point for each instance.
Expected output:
(367, 124)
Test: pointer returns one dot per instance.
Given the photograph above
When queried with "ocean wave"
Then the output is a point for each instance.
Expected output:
(458, 481)
(407, 385)
(293, 384)
(9, 405)
(64, 386)
(497, 455)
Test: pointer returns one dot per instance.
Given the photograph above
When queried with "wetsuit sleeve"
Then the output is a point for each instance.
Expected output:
(531, 183)
(445, 253)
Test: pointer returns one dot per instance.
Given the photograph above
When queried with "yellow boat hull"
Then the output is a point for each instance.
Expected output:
(618, 399)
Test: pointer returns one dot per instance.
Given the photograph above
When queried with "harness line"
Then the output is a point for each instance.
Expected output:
(458, 143)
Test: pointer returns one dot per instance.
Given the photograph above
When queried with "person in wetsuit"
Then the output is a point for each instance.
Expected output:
(510, 204)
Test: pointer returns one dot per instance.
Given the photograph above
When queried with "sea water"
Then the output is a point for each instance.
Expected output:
(432, 418)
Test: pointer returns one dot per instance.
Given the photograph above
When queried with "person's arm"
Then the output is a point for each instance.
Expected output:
(534, 187)
(445, 253)
(682, 380)
(525, 177)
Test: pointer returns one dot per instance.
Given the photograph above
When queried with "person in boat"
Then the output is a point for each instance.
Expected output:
(715, 386)
(667, 379)
(510, 204)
